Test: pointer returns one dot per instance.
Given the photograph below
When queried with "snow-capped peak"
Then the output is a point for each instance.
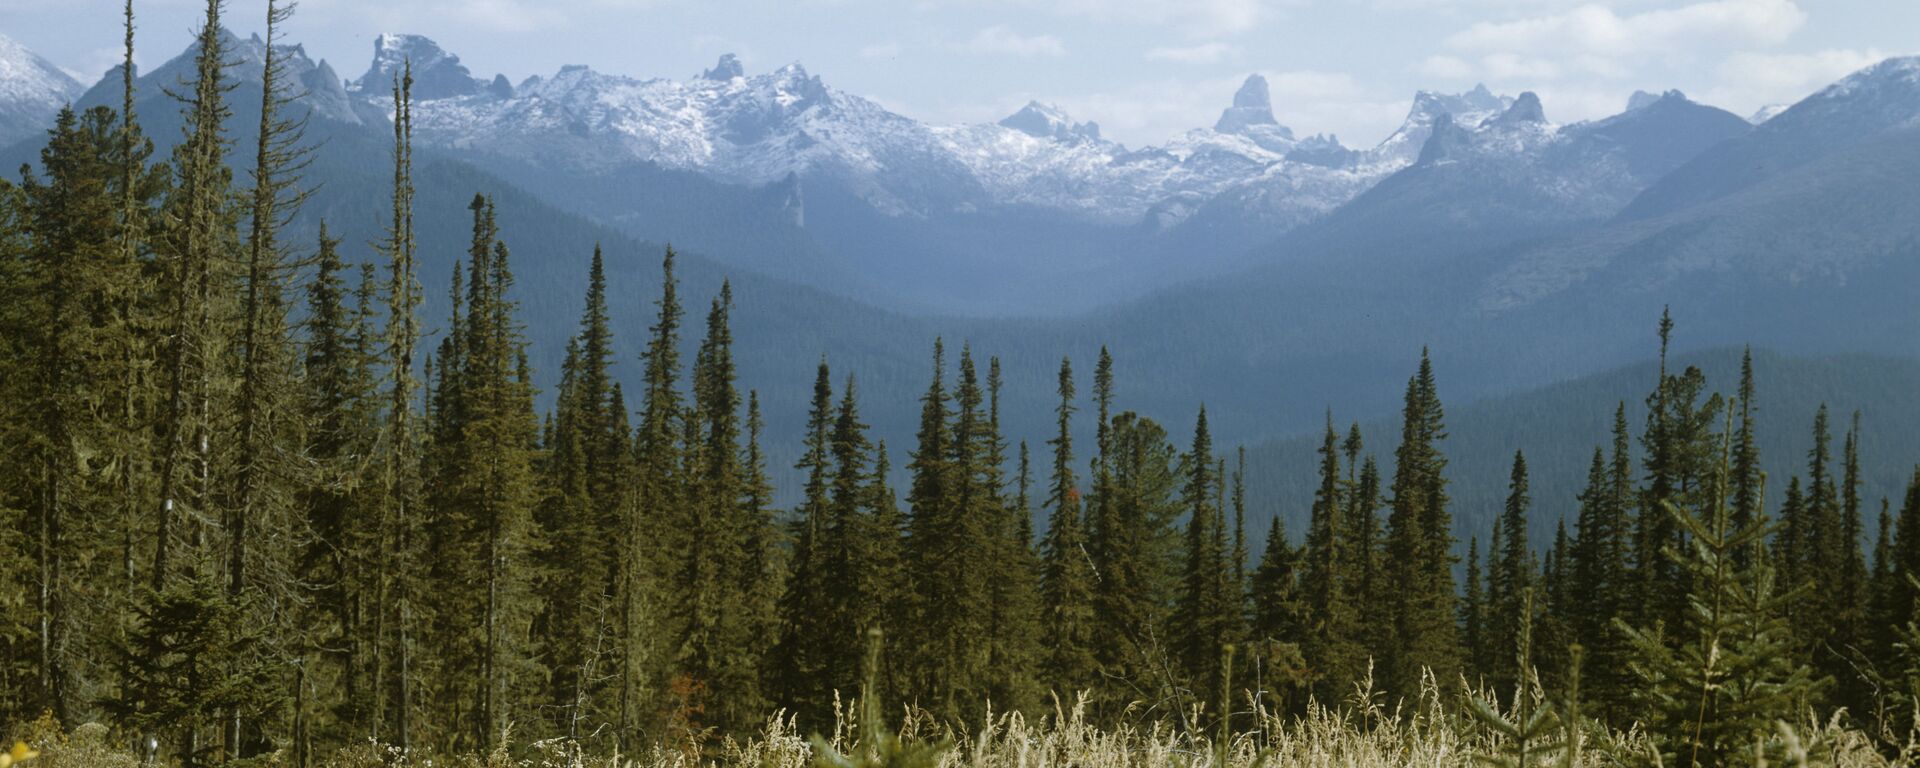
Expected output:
(32, 91)
(1525, 110)
(1766, 113)
(437, 74)
(726, 69)
(1471, 108)
(28, 80)
(1640, 99)
(1252, 105)
(1047, 121)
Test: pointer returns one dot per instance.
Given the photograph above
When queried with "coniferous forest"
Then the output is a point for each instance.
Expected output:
(259, 511)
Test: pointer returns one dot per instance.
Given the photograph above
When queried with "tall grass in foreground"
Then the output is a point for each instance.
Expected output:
(1429, 732)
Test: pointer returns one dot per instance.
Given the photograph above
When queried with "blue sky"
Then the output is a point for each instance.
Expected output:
(1144, 69)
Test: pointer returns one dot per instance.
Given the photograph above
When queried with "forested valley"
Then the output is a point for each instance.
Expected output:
(260, 511)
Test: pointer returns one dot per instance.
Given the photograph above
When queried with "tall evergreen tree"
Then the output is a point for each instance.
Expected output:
(801, 663)
(1205, 612)
(1332, 643)
(1419, 545)
(1068, 585)
(642, 668)
(1510, 578)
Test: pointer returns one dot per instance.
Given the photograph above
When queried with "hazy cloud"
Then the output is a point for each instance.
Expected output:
(998, 40)
(1204, 53)
(886, 50)
(1748, 81)
(1597, 30)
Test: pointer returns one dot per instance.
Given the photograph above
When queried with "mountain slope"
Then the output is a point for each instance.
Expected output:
(32, 91)
(1559, 425)
(1882, 98)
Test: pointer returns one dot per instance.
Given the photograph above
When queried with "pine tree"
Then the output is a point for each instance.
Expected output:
(1278, 625)
(397, 570)
(1474, 643)
(654, 496)
(580, 520)
(717, 660)
(1510, 578)
(1068, 585)
(1419, 545)
(806, 683)
(1715, 692)
(1204, 614)
(1746, 452)
(1680, 457)
(929, 541)
(339, 414)
(261, 517)
(1140, 573)
(73, 353)
(1017, 660)
(1597, 570)
(1332, 644)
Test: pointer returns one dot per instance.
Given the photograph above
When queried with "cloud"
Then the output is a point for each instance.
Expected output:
(1445, 68)
(998, 40)
(1748, 81)
(1196, 19)
(502, 15)
(1310, 101)
(1510, 66)
(886, 50)
(1204, 53)
(1201, 18)
(1598, 31)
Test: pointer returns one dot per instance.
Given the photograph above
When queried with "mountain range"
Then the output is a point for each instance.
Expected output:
(1269, 275)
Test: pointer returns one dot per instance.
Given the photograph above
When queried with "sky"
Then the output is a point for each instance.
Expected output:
(1145, 70)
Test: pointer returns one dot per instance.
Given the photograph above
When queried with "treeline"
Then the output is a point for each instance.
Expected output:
(250, 508)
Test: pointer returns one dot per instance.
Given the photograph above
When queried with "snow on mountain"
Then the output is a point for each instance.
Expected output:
(1766, 113)
(759, 129)
(32, 91)
(1470, 108)
(437, 74)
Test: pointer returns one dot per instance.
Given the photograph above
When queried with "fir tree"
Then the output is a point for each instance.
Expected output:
(1068, 585)
(1331, 645)
(1205, 610)
(800, 658)
(1419, 545)
(1510, 578)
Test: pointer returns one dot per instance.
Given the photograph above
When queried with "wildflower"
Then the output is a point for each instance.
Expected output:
(19, 754)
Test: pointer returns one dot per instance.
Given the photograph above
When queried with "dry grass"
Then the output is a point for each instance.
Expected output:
(1427, 733)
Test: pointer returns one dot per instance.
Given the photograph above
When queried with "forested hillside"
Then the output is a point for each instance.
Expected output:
(273, 494)
(1560, 425)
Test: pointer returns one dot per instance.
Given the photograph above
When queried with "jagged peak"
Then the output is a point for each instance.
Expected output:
(1048, 121)
(1899, 70)
(726, 69)
(1441, 142)
(1642, 99)
(1252, 106)
(26, 77)
(1525, 110)
(437, 73)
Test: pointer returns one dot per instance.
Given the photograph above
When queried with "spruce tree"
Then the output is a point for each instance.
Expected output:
(1714, 693)
(1204, 614)
(1510, 578)
(1016, 669)
(801, 664)
(1474, 643)
(1419, 546)
(1069, 580)
(1332, 644)
(650, 528)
